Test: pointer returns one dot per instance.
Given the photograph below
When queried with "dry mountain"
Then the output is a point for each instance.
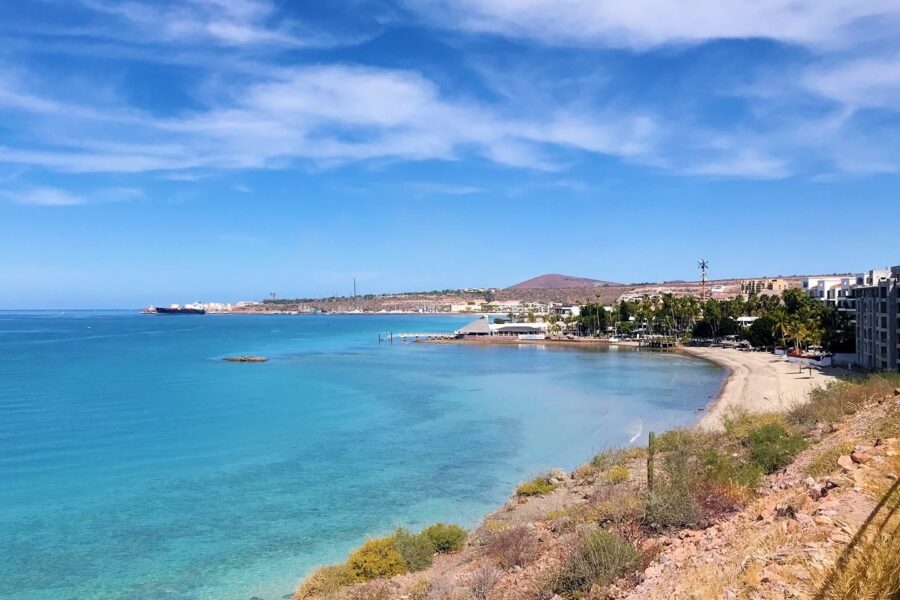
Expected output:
(553, 281)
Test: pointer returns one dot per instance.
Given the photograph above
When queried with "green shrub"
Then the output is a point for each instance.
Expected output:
(376, 558)
(602, 558)
(536, 487)
(672, 506)
(445, 538)
(723, 469)
(415, 550)
(772, 447)
(325, 581)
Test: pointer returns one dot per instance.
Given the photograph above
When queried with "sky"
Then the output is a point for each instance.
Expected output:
(220, 150)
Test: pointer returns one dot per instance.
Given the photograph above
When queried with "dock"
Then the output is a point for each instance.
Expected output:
(412, 337)
(659, 344)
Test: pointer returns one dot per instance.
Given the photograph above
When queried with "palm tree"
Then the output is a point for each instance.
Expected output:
(781, 324)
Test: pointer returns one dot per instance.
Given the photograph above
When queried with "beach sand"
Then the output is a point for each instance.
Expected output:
(758, 382)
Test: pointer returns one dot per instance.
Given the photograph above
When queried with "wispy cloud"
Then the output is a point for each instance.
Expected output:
(261, 110)
(642, 24)
(49, 196)
(45, 197)
(307, 113)
(230, 23)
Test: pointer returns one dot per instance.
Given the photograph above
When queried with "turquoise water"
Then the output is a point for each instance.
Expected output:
(135, 463)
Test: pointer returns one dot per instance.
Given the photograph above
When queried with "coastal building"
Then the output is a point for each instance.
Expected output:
(478, 327)
(877, 303)
(773, 285)
(517, 329)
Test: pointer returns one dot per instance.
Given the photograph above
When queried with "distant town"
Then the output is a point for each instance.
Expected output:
(853, 316)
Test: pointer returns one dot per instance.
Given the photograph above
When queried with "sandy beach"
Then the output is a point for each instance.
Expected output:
(758, 382)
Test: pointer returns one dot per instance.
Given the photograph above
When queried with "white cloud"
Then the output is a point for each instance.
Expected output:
(327, 114)
(747, 164)
(49, 196)
(229, 23)
(45, 197)
(647, 23)
(866, 82)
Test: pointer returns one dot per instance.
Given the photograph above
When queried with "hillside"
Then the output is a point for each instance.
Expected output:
(796, 505)
(553, 281)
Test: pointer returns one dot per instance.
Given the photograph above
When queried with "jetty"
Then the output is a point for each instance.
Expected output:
(406, 337)
(658, 343)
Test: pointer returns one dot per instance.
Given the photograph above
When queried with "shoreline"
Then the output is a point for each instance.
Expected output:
(757, 382)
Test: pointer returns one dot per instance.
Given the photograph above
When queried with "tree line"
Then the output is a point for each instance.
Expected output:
(793, 318)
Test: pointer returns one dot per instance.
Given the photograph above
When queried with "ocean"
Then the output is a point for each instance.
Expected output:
(136, 464)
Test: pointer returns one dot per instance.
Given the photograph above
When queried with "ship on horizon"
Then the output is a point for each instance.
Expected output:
(175, 309)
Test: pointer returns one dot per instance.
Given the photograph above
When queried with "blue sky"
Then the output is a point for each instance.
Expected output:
(155, 152)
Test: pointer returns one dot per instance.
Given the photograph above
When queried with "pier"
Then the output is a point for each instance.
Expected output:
(389, 337)
(659, 344)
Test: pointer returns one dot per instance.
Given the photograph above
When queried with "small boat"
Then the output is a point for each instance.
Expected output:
(254, 359)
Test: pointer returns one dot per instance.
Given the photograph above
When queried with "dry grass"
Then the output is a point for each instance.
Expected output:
(618, 474)
(831, 404)
(483, 580)
(515, 547)
(870, 568)
(825, 462)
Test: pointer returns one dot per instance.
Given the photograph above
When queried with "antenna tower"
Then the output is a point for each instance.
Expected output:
(703, 264)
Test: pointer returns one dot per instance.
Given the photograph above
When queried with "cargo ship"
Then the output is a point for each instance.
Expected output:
(175, 309)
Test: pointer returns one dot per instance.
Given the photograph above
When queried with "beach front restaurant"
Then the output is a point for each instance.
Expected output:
(517, 329)
(477, 327)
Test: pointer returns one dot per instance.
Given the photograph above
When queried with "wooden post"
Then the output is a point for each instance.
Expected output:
(651, 450)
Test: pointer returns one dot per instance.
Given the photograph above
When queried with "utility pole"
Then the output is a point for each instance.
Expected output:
(704, 268)
(354, 287)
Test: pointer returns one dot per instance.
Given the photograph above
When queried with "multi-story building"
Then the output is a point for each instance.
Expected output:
(878, 320)
(774, 285)
(836, 290)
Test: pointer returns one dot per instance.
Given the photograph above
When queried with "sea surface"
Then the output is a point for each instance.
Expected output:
(136, 464)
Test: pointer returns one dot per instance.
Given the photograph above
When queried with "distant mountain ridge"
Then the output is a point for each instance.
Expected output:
(553, 281)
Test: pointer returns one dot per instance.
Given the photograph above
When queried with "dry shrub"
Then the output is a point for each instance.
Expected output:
(676, 439)
(419, 590)
(618, 474)
(515, 547)
(889, 425)
(740, 425)
(324, 582)
(719, 499)
(483, 579)
(616, 458)
(825, 462)
(440, 588)
(838, 399)
(373, 590)
(612, 504)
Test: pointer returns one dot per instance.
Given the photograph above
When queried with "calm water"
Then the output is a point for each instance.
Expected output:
(135, 463)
